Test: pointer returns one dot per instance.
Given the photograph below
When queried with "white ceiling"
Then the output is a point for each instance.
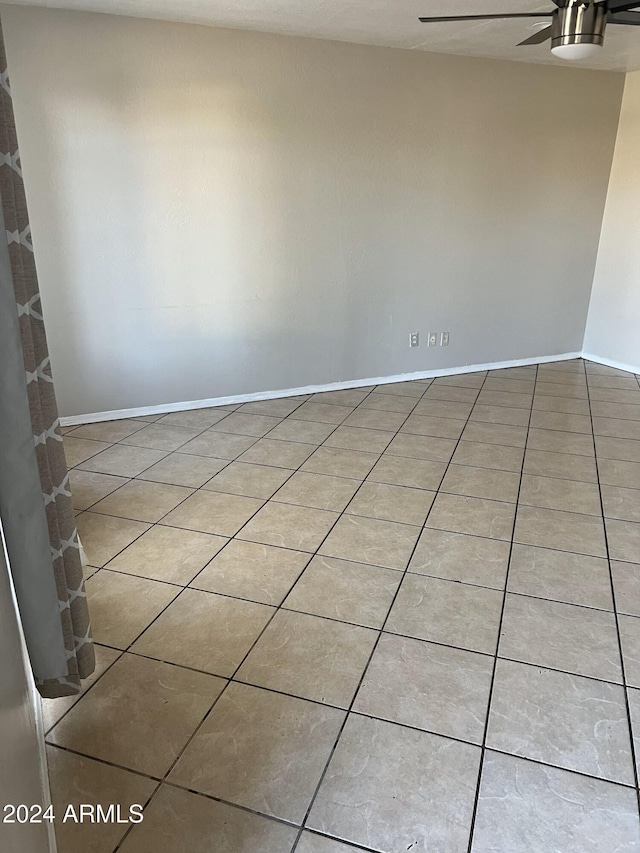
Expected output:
(393, 23)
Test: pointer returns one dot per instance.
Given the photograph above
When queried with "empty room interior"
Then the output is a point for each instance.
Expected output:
(320, 426)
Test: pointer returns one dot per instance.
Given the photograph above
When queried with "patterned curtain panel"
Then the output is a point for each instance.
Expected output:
(35, 501)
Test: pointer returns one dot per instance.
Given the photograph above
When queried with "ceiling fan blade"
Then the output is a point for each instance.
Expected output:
(488, 17)
(537, 38)
(615, 6)
(631, 19)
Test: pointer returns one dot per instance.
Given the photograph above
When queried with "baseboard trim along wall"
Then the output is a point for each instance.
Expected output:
(609, 362)
(167, 408)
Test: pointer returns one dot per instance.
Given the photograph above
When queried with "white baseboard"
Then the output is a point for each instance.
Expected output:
(167, 408)
(609, 362)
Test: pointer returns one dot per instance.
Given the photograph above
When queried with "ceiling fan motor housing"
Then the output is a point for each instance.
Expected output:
(579, 23)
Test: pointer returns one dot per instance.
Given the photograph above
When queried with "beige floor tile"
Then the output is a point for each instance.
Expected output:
(184, 469)
(560, 465)
(558, 389)
(178, 821)
(304, 432)
(459, 557)
(562, 421)
(108, 431)
(414, 473)
(394, 788)
(389, 403)
(340, 462)
(566, 531)
(561, 636)
(356, 438)
(443, 409)
(77, 450)
(544, 403)
(350, 592)
(342, 397)
(123, 460)
(623, 383)
(317, 490)
(476, 516)
(54, 709)
(220, 445)
(481, 455)
(168, 554)
(450, 393)
(281, 454)
(620, 411)
(624, 540)
(412, 388)
(617, 428)
(104, 536)
(211, 512)
(194, 418)
(626, 582)
(438, 427)
(427, 686)
(504, 398)
(374, 419)
(623, 449)
(323, 413)
(88, 488)
(560, 719)
(505, 383)
(205, 631)
(503, 434)
(142, 501)
(422, 447)
(391, 503)
(634, 714)
(122, 606)
(252, 481)
(243, 423)
(286, 526)
(139, 715)
(481, 483)
(613, 472)
(568, 495)
(615, 395)
(161, 437)
(447, 612)
(76, 780)
(257, 572)
(279, 408)
(623, 504)
(629, 627)
(310, 657)
(556, 441)
(261, 750)
(463, 380)
(312, 843)
(561, 576)
(499, 415)
(371, 541)
(530, 808)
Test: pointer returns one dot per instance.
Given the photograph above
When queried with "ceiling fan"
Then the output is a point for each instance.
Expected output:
(577, 26)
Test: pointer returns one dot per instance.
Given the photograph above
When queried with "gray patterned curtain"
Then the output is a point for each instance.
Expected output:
(37, 518)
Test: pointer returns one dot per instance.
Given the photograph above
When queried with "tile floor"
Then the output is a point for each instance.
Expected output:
(402, 618)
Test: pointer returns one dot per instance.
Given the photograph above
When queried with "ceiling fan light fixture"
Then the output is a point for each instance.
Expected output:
(574, 52)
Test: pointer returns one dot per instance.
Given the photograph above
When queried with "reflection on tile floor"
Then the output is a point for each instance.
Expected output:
(383, 619)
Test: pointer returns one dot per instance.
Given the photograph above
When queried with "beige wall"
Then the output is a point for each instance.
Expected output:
(218, 212)
(613, 328)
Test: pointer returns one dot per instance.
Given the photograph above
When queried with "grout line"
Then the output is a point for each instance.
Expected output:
(617, 621)
(372, 653)
(495, 662)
